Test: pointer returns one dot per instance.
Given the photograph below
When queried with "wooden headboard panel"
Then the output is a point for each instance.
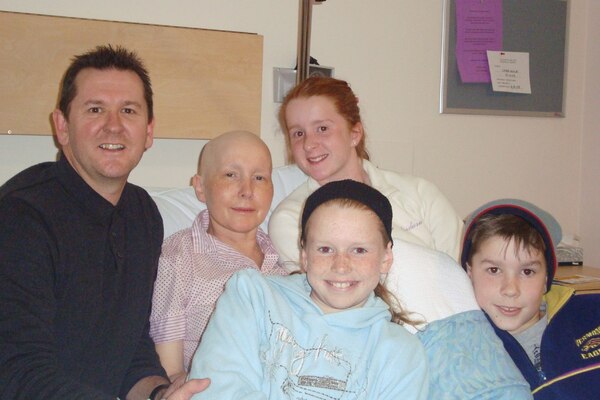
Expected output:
(205, 82)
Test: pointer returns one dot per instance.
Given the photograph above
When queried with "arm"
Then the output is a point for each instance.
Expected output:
(145, 361)
(467, 361)
(29, 366)
(144, 387)
(178, 390)
(145, 364)
(406, 375)
(168, 321)
(229, 352)
(171, 358)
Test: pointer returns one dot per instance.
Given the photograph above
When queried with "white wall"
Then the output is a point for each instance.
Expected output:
(171, 162)
(590, 163)
(390, 51)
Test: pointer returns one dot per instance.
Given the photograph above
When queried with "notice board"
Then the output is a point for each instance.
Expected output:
(538, 27)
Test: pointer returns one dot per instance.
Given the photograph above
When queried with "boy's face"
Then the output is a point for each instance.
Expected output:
(509, 283)
(236, 186)
(344, 256)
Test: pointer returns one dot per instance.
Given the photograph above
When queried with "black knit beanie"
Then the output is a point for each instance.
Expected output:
(349, 189)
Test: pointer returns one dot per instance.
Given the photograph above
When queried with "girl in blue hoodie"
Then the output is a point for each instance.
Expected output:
(331, 332)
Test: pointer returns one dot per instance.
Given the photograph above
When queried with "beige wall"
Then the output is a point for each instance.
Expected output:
(589, 210)
(390, 51)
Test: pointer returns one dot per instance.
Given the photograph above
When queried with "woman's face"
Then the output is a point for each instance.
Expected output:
(323, 143)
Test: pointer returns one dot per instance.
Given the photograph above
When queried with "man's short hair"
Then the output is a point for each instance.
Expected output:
(104, 57)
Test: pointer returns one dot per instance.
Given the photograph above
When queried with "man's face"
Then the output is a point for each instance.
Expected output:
(107, 129)
(509, 283)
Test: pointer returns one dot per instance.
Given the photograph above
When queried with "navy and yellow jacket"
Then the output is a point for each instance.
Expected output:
(570, 348)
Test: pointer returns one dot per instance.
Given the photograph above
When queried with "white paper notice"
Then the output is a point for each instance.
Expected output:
(509, 71)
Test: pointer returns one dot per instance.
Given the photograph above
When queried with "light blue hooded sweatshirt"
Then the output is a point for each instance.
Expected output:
(268, 340)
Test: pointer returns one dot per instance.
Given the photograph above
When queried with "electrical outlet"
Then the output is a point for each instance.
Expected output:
(285, 78)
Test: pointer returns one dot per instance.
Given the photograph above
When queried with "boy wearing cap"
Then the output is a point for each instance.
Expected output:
(552, 335)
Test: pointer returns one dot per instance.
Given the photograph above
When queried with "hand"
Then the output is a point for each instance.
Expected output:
(182, 390)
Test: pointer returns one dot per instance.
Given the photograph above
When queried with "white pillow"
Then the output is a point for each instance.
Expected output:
(429, 283)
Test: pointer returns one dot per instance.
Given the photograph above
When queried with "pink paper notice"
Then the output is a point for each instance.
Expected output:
(478, 29)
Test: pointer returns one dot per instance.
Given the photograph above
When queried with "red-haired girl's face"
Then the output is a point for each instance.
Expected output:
(322, 142)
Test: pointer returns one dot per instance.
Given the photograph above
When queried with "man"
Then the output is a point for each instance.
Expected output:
(79, 248)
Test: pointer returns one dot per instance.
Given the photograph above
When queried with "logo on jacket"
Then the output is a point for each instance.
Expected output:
(589, 344)
(319, 371)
